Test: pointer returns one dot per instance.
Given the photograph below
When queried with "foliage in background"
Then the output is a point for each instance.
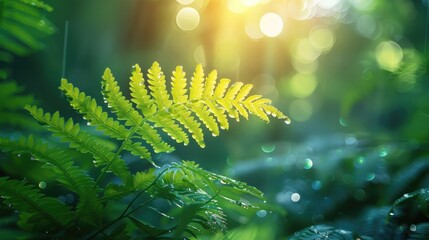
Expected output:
(199, 200)
(22, 26)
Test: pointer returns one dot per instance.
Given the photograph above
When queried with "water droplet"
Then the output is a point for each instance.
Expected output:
(308, 163)
(268, 148)
(383, 151)
(413, 228)
(88, 124)
(407, 195)
(370, 176)
(19, 155)
(287, 121)
(261, 213)
(343, 122)
(295, 197)
(42, 185)
(351, 141)
(392, 214)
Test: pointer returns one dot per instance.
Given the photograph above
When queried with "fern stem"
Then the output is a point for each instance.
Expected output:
(124, 213)
(121, 148)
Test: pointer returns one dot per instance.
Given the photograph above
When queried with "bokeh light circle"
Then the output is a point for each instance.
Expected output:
(389, 55)
(303, 85)
(271, 24)
(188, 18)
(185, 2)
(322, 39)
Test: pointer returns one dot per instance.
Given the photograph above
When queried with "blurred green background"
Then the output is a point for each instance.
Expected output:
(351, 75)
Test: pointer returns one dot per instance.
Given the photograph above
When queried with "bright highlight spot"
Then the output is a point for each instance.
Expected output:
(328, 4)
(271, 24)
(268, 148)
(295, 197)
(301, 9)
(250, 3)
(302, 85)
(389, 55)
(300, 110)
(308, 163)
(42, 184)
(322, 39)
(185, 2)
(236, 6)
(187, 18)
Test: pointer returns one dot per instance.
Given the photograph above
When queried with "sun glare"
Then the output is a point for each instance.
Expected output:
(188, 18)
(271, 24)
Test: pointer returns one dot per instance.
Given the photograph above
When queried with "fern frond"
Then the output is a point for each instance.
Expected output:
(95, 115)
(210, 85)
(184, 116)
(197, 83)
(18, 19)
(59, 162)
(139, 94)
(125, 111)
(42, 213)
(178, 86)
(176, 113)
(166, 122)
(12, 100)
(158, 86)
(80, 140)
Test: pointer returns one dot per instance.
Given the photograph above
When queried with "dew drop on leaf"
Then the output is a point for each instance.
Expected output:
(42, 185)
(261, 213)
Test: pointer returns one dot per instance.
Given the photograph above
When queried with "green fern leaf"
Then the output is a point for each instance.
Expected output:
(82, 141)
(178, 86)
(59, 162)
(158, 86)
(210, 85)
(18, 19)
(139, 93)
(204, 115)
(166, 122)
(125, 111)
(197, 83)
(95, 115)
(184, 116)
(42, 213)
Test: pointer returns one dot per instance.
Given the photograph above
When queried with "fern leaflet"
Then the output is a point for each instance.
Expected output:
(37, 211)
(82, 141)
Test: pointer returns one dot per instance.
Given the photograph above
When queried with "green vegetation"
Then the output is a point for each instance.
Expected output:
(136, 162)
